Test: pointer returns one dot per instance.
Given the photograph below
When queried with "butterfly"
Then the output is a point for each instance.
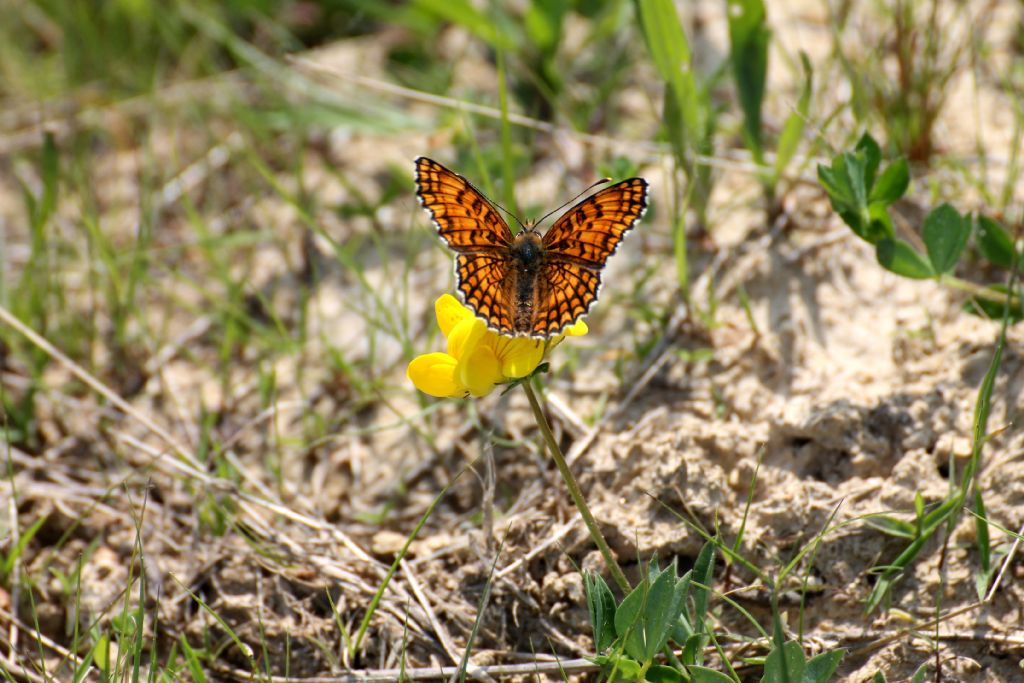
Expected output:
(527, 284)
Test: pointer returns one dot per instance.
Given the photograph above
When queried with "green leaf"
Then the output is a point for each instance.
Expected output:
(893, 526)
(702, 674)
(983, 541)
(893, 183)
(50, 171)
(821, 667)
(896, 255)
(703, 573)
(543, 22)
(871, 153)
(645, 616)
(748, 47)
(665, 37)
(836, 185)
(786, 666)
(945, 236)
(693, 649)
(101, 652)
(845, 191)
(15, 553)
(793, 128)
(879, 225)
(659, 673)
(625, 668)
(601, 603)
(670, 50)
(994, 243)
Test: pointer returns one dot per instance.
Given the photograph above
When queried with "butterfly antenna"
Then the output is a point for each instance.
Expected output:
(602, 181)
(494, 202)
(506, 211)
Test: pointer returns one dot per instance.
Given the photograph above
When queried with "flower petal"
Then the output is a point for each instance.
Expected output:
(465, 336)
(577, 329)
(449, 312)
(479, 371)
(520, 357)
(434, 374)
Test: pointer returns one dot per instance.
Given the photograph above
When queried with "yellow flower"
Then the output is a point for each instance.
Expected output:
(477, 358)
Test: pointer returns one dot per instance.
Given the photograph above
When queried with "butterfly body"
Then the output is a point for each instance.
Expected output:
(527, 284)
(527, 255)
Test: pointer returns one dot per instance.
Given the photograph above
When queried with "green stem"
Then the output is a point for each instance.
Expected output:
(574, 490)
(980, 290)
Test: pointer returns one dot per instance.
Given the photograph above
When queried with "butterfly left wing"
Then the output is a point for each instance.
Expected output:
(590, 232)
(465, 220)
(565, 292)
(485, 283)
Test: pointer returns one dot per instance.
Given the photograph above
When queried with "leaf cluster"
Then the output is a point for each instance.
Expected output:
(862, 192)
(664, 609)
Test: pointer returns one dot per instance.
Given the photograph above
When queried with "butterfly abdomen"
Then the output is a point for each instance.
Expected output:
(527, 251)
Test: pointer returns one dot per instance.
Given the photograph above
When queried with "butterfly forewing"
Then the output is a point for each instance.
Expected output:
(591, 231)
(464, 218)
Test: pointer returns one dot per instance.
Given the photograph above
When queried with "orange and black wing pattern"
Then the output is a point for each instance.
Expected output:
(577, 247)
(465, 220)
(590, 232)
(565, 292)
(527, 285)
(474, 229)
(482, 281)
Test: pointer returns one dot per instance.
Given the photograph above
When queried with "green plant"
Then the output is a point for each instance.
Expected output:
(636, 639)
(862, 197)
(663, 608)
(689, 118)
(918, 43)
(749, 38)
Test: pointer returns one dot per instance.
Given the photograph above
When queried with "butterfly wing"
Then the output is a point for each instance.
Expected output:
(485, 283)
(474, 229)
(577, 247)
(565, 292)
(465, 220)
(590, 232)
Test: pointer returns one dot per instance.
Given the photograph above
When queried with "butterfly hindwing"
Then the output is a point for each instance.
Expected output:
(483, 281)
(565, 292)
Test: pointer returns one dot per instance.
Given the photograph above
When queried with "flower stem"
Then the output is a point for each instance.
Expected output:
(574, 490)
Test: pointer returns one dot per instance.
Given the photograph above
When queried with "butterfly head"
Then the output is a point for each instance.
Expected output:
(527, 248)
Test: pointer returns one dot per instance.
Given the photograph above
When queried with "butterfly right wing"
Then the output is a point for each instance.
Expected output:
(590, 232)
(465, 220)
(565, 292)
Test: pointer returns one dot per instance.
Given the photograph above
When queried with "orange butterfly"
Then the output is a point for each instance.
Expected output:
(527, 284)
